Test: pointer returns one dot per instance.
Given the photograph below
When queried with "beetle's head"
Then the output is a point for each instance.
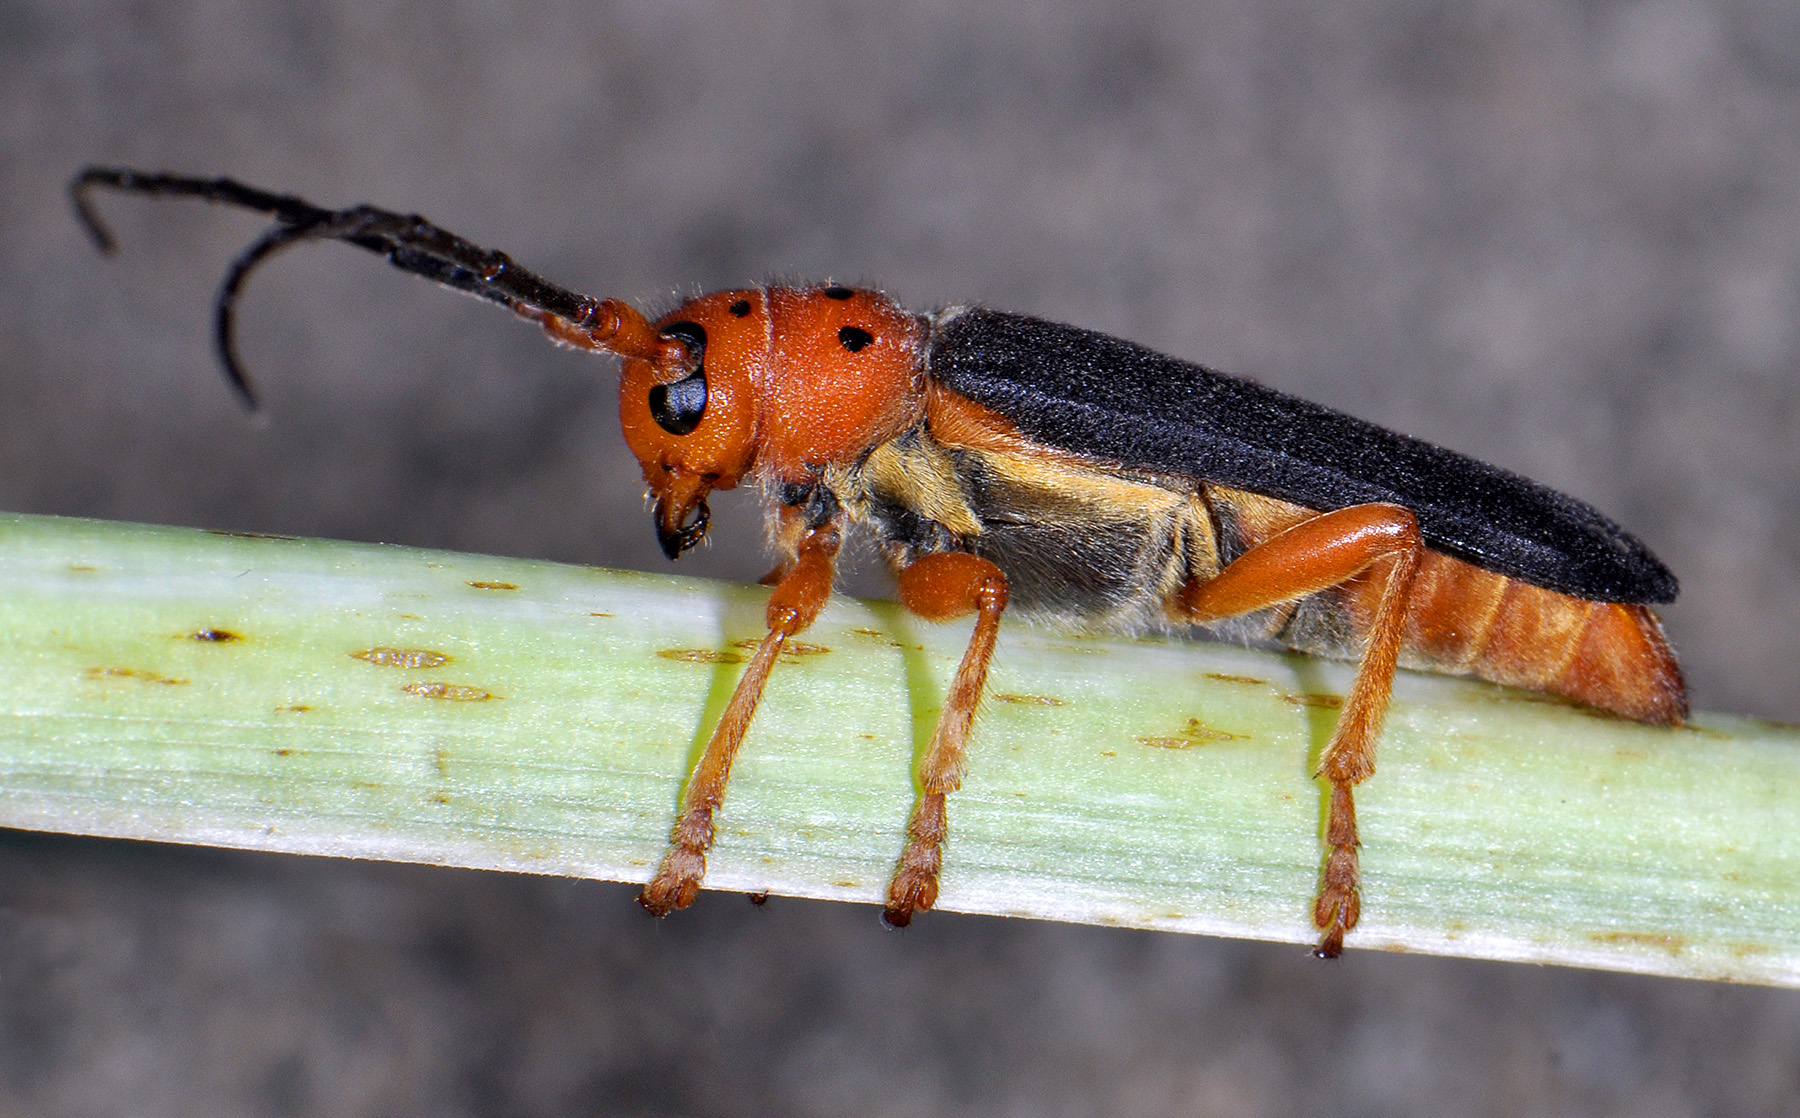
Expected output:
(787, 380)
(687, 402)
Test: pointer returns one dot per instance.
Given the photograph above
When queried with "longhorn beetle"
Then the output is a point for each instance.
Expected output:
(1000, 460)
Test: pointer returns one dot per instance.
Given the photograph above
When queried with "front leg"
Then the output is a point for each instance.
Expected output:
(1316, 555)
(941, 587)
(793, 605)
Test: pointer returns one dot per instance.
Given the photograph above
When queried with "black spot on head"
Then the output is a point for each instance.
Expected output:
(854, 337)
(837, 291)
(740, 308)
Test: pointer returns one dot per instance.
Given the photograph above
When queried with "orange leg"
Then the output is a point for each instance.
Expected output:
(793, 605)
(938, 588)
(1316, 555)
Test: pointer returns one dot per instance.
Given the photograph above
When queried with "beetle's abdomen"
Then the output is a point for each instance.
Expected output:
(1465, 620)
(1605, 654)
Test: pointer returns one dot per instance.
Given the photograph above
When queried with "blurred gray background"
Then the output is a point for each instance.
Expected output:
(1564, 237)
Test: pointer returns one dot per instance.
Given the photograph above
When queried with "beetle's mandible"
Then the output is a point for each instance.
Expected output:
(1002, 462)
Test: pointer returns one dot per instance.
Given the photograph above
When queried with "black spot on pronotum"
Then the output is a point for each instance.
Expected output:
(854, 337)
(740, 308)
(836, 291)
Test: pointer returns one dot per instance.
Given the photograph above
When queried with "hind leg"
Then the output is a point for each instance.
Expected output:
(1329, 550)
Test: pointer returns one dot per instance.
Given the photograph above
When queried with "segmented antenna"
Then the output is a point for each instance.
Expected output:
(407, 241)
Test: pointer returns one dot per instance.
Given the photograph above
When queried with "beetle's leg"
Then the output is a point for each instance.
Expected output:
(1315, 555)
(941, 587)
(793, 605)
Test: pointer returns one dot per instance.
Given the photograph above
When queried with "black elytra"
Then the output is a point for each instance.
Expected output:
(1092, 394)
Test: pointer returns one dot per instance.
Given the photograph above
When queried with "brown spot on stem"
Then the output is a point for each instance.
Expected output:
(1167, 743)
(130, 673)
(1194, 733)
(250, 535)
(700, 656)
(403, 657)
(454, 692)
(1315, 699)
(1671, 944)
(1031, 700)
(494, 585)
(878, 637)
(210, 635)
(1224, 678)
(789, 651)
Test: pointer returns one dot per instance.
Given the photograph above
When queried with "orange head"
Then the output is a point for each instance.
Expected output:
(783, 381)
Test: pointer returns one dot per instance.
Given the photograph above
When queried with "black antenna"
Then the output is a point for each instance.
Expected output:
(408, 241)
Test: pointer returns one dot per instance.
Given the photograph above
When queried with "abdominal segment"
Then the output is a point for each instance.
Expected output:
(1467, 621)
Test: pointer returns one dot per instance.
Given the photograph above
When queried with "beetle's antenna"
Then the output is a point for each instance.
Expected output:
(408, 241)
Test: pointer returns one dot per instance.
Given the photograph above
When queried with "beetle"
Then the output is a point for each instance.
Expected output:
(1005, 463)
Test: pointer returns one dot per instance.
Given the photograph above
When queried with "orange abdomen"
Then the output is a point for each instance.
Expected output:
(1614, 656)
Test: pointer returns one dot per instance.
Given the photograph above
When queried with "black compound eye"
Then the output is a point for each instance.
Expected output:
(854, 338)
(678, 407)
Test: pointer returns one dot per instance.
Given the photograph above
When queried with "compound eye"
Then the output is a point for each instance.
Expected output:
(678, 407)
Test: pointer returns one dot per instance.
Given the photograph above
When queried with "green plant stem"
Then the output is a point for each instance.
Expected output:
(384, 702)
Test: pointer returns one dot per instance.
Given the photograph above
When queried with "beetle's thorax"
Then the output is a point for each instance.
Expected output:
(844, 374)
